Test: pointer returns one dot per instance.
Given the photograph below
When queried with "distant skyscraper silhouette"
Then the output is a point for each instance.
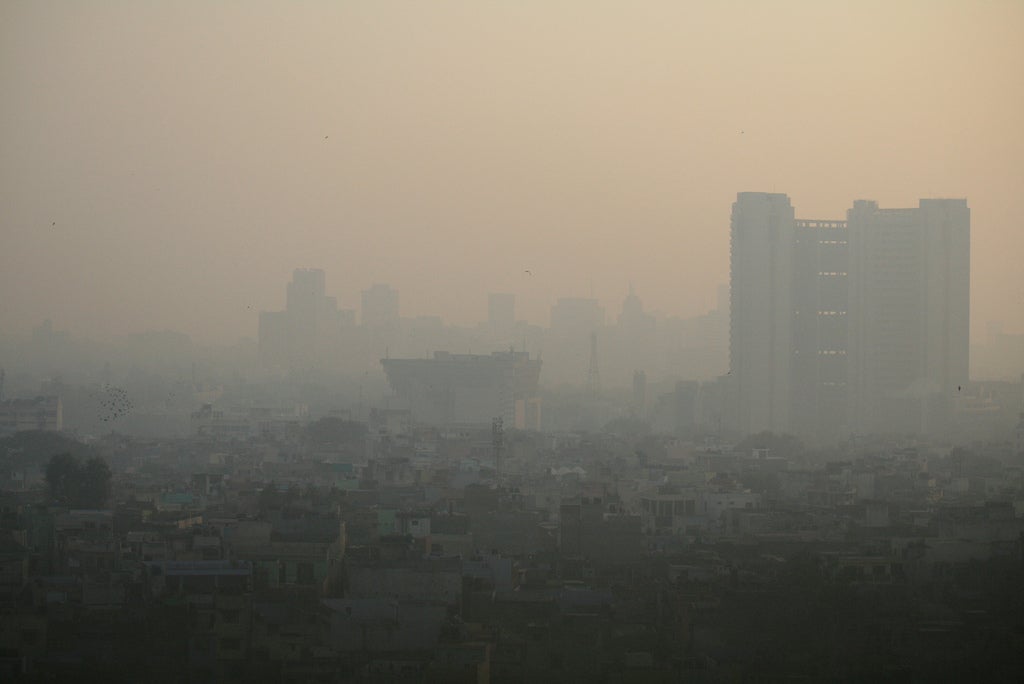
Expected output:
(573, 320)
(837, 326)
(909, 313)
(820, 328)
(308, 332)
(380, 305)
(761, 306)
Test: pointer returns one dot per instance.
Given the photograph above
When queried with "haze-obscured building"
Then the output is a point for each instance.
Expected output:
(820, 328)
(39, 413)
(576, 327)
(909, 313)
(468, 388)
(380, 306)
(848, 326)
(761, 306)
(308, 333)
(501, 311)
(632, 342)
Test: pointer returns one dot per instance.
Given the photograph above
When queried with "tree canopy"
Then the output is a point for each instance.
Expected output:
(31, 447)
(333, 430)
(78, 484)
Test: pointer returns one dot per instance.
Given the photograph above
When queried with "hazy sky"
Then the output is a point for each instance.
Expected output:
(191, 154)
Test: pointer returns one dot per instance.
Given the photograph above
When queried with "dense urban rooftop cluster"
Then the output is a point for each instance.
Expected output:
(834, 499)
(338, 550)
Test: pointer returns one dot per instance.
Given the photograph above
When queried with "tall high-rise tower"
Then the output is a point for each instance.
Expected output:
(859, 325)
(820, 329)
(761, 309)
(308, 332)
(909, 313)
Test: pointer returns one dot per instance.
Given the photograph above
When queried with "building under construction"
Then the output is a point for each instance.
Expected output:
(453, 389)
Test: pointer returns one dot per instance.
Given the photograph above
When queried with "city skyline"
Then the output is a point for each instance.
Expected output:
(353, 302)
(570, 340)
(424, 147)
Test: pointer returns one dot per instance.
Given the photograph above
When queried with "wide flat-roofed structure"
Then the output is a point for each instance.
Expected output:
(468, 388)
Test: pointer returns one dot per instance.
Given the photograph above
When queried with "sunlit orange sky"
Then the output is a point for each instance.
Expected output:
(165, 165)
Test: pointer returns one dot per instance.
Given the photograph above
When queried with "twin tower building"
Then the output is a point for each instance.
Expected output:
(848, 327)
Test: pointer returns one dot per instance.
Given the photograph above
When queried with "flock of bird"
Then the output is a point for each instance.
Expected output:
(114, 404)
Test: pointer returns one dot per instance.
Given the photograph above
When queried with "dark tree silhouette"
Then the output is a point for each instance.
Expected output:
(33, 447)
(95, 486)
(332, 430)
(62, 477)
(76, 484)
